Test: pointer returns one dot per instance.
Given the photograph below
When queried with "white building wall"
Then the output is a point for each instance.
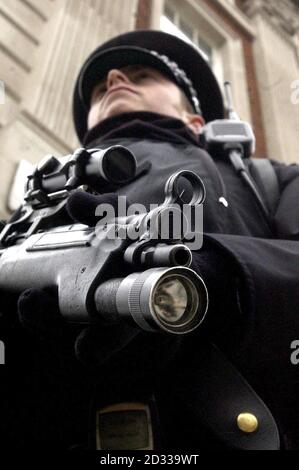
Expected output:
(42, 46)
(277, 63)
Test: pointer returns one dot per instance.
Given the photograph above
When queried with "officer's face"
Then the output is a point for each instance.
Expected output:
(137, 88)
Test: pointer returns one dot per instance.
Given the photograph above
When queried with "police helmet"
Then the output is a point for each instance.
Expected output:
(179, 61)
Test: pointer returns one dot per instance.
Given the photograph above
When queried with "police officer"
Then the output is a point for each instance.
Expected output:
(153, 93)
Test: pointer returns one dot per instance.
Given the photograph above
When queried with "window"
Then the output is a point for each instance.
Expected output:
(173, 21)
(195, 22)
(184, 19)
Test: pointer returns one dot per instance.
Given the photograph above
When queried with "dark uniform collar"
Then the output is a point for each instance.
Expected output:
(141, 125)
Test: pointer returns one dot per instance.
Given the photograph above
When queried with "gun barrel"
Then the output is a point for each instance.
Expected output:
(166, 255)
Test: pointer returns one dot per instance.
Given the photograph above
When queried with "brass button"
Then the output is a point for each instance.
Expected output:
(247, 422)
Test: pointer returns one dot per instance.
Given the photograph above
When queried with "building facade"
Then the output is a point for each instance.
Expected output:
(252, 43)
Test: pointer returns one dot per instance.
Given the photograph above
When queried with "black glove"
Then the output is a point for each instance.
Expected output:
(94, 345)
(39, 312)
(227, 319)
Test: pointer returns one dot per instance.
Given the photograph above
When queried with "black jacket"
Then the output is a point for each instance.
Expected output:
(238, 241)
(241, 253)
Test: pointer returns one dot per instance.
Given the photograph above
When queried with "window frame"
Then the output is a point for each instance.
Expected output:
(228, 58)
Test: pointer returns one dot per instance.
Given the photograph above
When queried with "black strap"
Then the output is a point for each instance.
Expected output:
(209, 393)
(266, 179)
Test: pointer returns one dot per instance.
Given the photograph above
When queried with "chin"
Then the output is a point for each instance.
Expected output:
(120, 107)
(114, 109)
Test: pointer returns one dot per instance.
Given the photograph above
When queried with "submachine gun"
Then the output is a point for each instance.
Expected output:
(42, 247)
(146, 280)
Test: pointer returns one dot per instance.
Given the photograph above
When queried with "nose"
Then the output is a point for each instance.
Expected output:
(116, 76)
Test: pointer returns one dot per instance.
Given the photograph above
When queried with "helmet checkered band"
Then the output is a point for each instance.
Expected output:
(182, 80)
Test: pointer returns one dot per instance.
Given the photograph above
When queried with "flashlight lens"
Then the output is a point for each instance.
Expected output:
(175, 300)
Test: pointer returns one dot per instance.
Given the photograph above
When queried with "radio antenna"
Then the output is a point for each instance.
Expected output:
(232, 114)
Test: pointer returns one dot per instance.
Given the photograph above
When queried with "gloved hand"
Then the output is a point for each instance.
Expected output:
(227, 320)
(39, 312)
(94, 345)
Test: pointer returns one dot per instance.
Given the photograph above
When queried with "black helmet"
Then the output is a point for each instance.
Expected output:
(181, 62)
